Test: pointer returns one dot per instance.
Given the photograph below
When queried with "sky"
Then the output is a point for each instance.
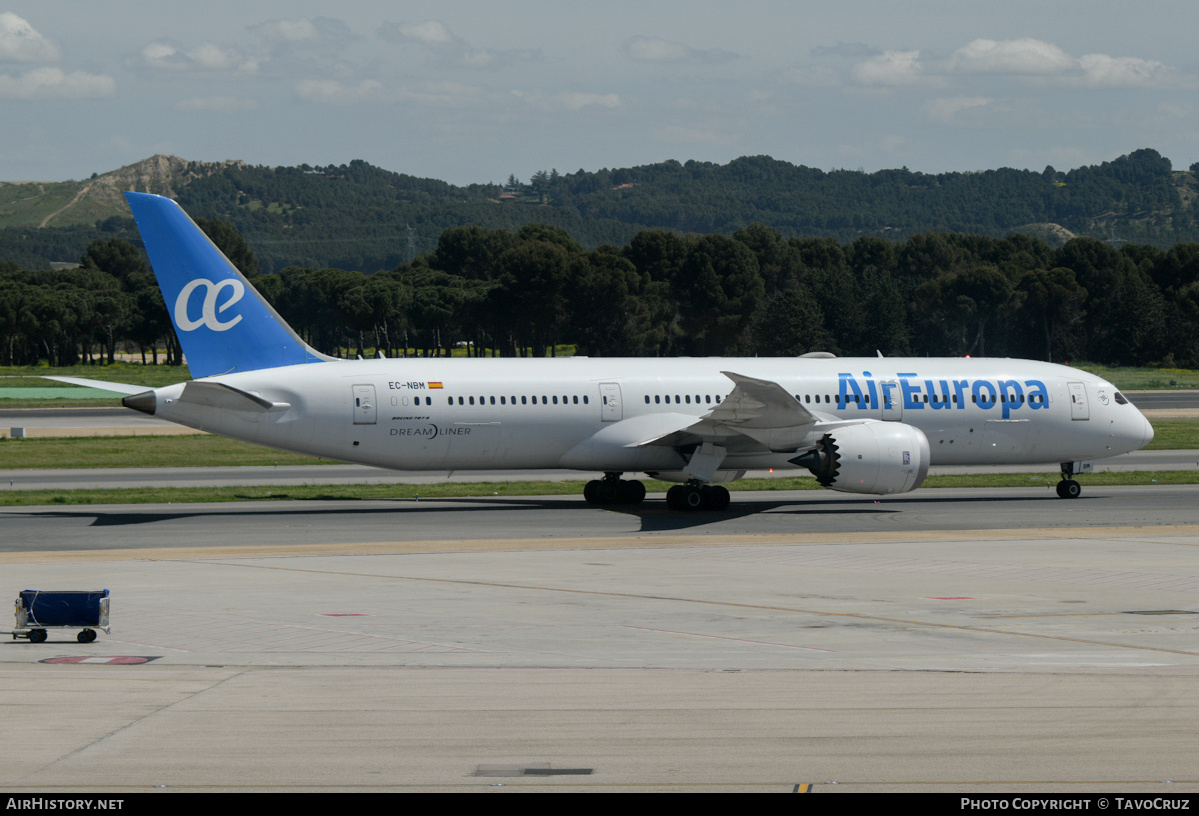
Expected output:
(470, 92)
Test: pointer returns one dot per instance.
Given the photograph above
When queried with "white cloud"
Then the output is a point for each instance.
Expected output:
(303, 35)
(53, 83)
(944, 110)
(332, 92)
(1023, 56)
(1102, 71)
(571, 100)
(1036, 57)
(204, 57)
(655, 49)
(451, 48)
(890, 68)
(21, 42)
(217, 104)
(288, 31)
(431, 33)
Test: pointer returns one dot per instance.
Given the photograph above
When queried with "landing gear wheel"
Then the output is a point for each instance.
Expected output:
(716, 497)
(86, 636)
(37, 636)
(1069, 489)
(634, 492)
(692, 497)
(614, 491)
(697, 497)
(609, 491)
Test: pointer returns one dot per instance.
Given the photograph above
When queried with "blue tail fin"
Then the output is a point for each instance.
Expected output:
(222, 322)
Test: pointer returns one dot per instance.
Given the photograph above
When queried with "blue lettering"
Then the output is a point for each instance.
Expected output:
(1037, 389)
(911, 393)
(938, 402)
(987, 401)
(1014, 396)
(959, 389)
(872, 390)
(843, 391)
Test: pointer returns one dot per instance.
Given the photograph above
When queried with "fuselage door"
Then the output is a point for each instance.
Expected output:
(364, 405)
(1078, 401)
(610, 407)
(889, 397)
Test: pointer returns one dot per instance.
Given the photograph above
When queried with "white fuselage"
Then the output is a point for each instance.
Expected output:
(596, 414)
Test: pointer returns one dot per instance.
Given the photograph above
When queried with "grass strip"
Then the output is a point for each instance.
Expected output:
(446, 490)
(201, 450)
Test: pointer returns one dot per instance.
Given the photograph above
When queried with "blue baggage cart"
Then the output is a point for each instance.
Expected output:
(40, 609)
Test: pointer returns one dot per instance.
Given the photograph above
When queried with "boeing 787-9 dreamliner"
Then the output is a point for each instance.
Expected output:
(869, 425)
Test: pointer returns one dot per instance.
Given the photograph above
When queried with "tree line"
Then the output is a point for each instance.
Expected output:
(524, 292)
(359, 217)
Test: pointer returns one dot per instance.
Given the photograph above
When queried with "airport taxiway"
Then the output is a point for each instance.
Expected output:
(983, 640)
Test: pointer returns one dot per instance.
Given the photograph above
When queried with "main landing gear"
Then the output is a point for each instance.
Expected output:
(696, 496)
(1068, 487)
(614, 490)
(691, 496)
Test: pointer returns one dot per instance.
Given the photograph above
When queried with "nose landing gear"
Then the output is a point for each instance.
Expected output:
(1068, 487)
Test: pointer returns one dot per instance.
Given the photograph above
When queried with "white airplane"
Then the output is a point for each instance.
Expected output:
(860, 425)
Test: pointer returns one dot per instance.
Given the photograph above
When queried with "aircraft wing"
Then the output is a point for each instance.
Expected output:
(758, 416)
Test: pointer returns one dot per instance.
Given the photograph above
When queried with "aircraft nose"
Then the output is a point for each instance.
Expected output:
(1148, 431)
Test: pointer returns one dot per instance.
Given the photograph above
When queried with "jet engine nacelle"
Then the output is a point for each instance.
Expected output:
(872, 457)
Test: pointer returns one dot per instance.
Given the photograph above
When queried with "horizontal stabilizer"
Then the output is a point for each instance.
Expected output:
(120, 388)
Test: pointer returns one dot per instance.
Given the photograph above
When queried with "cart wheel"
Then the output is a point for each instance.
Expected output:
(86, 636)
(37, 636)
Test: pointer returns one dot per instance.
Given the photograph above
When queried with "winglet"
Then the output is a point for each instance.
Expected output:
(222, 322)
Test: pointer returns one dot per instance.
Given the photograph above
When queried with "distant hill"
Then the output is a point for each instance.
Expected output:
(74, 203)
(361, 217)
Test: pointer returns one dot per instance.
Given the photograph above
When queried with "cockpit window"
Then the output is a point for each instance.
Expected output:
(1121, 399)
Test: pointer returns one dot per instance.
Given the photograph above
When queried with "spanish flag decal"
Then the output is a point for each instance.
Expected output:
(435, 385)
